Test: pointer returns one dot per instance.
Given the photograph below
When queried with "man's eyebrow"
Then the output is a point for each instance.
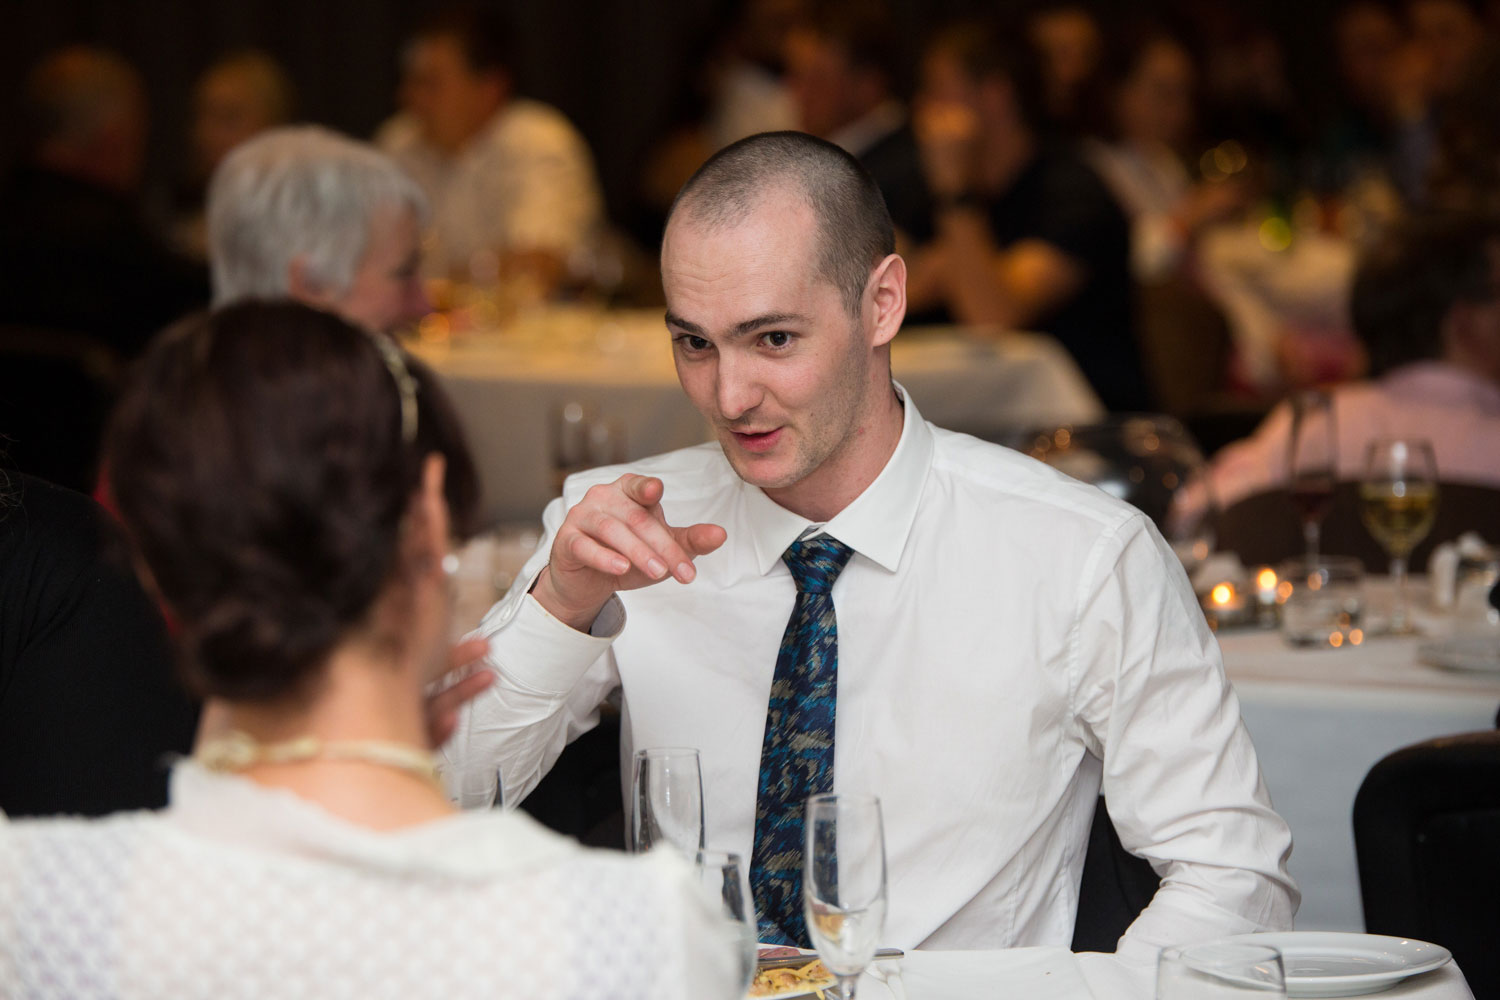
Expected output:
(769, 319)
(680, 323)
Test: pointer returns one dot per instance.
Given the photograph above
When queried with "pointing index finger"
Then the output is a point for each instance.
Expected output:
(644, 490)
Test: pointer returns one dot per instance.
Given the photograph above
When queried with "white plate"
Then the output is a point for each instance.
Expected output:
(1480, 653)
(1332, 964)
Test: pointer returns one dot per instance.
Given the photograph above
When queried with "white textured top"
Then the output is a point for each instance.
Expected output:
(237, 890)
(1009, 642)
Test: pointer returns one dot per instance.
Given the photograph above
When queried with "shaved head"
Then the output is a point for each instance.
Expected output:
(854, 231)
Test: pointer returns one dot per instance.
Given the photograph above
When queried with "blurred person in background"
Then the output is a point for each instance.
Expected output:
(294, 487)
(75, 251)
(1453, 33)
(1465, 173)
(1372, 49)
(236, 98)
(510, 180)
(1447, 37)
(1426, 305)
(737, 88)
(1247, 94)
(305, 213)
(748, 78)
(1150, 83)
(1070, 41)
(843, 69)
(1027, 235)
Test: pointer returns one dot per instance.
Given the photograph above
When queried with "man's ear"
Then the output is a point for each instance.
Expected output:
(885, 299)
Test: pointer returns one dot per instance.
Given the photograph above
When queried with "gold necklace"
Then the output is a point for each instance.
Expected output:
(236, 751)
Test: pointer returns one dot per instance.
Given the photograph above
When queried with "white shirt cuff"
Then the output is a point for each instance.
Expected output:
(545, 655)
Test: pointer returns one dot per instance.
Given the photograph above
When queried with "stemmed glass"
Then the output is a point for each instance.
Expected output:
(666, 800)
(724, 876)
(843, 883)
(1398, 501)
(1220, 969)
(1312, 463)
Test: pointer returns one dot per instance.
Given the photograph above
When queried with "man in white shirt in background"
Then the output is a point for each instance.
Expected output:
(1426, 306)
(1002, 638)
(843, 69)
(511, 181)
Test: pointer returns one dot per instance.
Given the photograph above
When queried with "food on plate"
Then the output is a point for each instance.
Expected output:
(813, 977)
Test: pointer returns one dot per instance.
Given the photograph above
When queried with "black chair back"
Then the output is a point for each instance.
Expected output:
(1265, 528)
(1427, 835)
(56, 389)
(1116, 887)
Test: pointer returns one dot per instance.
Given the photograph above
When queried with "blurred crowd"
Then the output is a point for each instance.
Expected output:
(1152, 191)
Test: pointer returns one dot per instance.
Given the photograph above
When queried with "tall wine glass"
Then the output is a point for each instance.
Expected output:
(1220, 970)
(843, 883)
(1398, 501)
(725, 877)
(1312, 463)
(666, 800)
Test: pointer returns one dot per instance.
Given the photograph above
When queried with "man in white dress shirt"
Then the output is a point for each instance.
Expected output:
(1007, 638)
(511, 181)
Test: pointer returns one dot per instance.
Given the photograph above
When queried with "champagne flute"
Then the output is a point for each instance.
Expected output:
(1312, 463)
(843, 883)
(666, 800)
(1398, 501)
(725, 877)
(1220, 969)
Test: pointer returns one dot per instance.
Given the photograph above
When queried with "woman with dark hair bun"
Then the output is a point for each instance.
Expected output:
(293, 486)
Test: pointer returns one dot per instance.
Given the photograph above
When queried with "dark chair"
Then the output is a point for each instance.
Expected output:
(1265, 529)
(580, 796)
(1427, 835)
(56, 389)
(1185, 344)
(1116, 887)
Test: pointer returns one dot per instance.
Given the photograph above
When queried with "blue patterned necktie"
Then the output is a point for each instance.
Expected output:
(796, 758)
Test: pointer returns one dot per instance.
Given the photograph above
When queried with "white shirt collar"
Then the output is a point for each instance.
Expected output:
(878, 521)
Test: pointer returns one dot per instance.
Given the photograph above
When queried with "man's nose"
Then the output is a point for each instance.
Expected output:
(738, 387)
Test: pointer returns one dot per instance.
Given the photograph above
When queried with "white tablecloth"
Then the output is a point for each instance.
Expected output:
(1321, 719)
(509, 386)
(1058, 974)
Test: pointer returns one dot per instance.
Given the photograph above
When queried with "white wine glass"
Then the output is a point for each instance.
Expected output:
(1312, 463)
(1398, 502)
(1220, 970)
(843, 883)
(725, 877)
(666, 800)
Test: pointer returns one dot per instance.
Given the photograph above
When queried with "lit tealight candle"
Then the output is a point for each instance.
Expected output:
(1267, 586)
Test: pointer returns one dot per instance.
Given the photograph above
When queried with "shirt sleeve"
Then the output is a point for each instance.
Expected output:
(549, 682)
(1180, 776)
